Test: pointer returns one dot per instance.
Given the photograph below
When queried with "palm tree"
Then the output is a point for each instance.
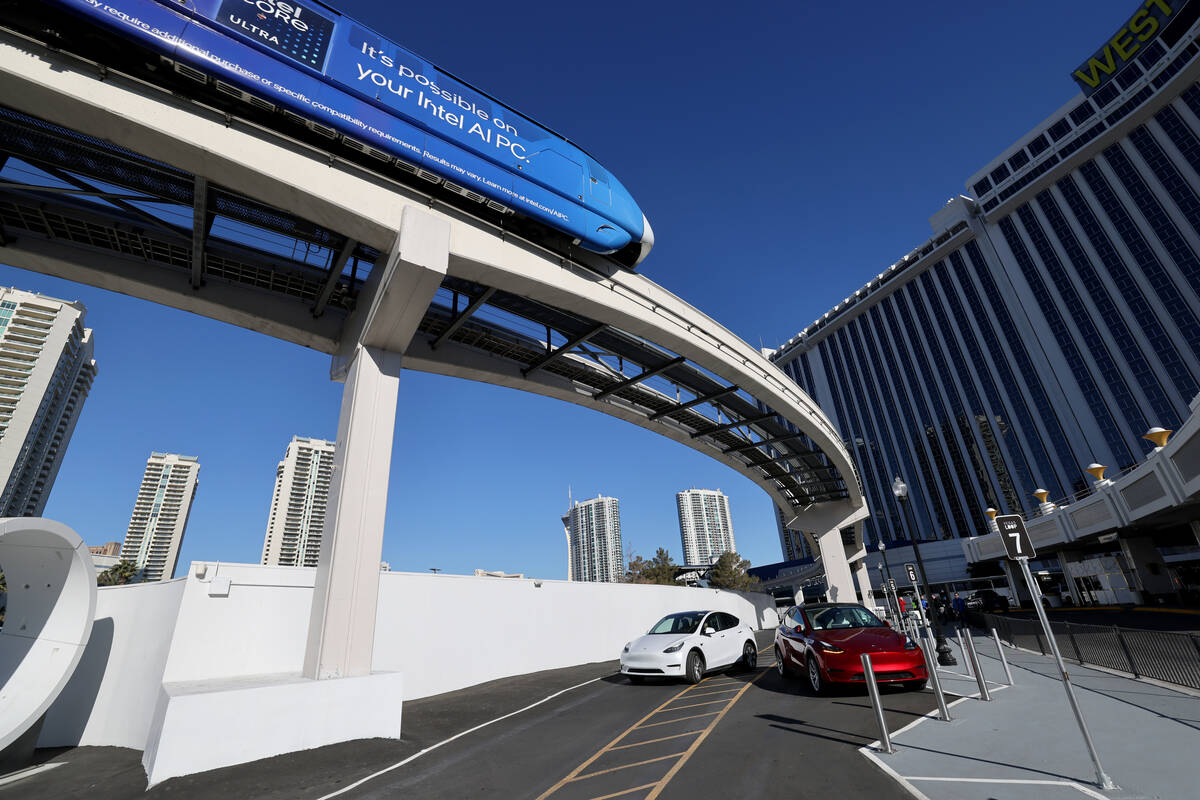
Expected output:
(118, 574)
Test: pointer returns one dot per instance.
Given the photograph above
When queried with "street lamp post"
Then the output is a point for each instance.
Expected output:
(945, 656)
(887, 597)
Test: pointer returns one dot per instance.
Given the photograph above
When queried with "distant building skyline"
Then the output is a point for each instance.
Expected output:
(46, 371)
(160, 515)
(705, 526)
(593, 531)
(297, 518)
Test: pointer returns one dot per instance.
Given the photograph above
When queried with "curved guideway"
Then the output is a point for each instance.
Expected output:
(736, 734)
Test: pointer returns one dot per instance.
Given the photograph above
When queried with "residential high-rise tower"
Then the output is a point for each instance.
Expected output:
(705, 527)
(297, 517)
(593, 530)
(160, 515)
(46, 371)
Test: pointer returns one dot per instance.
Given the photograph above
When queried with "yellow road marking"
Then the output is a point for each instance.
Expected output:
(668, 722)
(577, 773)
(624, 766)
(604, 749)
(719, 691)
(623, 791)
(688, 753)
(695, 705)
(652, 741)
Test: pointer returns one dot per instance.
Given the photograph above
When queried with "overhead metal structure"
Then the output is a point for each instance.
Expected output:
(131, 205)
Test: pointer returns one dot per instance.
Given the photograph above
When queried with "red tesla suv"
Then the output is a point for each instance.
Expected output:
(825, 642)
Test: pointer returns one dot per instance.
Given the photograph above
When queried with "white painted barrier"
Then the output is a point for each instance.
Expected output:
(441, 632)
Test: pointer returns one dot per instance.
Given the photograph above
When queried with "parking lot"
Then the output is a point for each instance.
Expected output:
(733, 734)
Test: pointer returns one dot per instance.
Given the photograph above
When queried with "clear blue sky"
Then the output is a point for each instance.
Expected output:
(784, 153)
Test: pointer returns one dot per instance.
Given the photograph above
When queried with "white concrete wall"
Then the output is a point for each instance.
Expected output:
(442, 632)
(111, 697)
(259, 627)
(502, 626)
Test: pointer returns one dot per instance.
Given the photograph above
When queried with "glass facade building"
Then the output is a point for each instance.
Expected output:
(1052, 319)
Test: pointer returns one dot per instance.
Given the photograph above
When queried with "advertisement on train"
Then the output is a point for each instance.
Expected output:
(326, 67)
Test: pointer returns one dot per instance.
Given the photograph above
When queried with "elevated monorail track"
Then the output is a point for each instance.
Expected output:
(111, 181)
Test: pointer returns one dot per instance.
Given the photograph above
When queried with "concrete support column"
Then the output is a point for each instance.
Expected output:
(1064, 561)
(1020, 592)
(1147, 563)
(341, 631)
(864, 584)
(839, 581)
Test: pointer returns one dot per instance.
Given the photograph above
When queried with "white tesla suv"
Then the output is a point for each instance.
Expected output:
(688, 644)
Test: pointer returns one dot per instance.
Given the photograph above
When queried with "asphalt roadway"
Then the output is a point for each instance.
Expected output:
(734, 734)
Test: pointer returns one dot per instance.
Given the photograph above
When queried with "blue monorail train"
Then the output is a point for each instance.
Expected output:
(340, 78)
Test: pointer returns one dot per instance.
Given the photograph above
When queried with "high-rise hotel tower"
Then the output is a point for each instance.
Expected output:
(160, 515)
(593, 529)
(297, 517)
(46, 371)
(705, 527)
(1049, 323)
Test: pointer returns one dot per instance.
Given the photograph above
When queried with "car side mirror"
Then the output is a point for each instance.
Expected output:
(885, 622)
(799, 629)
(708, 631)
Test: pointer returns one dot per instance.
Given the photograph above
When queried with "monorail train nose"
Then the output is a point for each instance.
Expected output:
(647, 241)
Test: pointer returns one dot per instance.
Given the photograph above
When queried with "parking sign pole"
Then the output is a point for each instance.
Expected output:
(1035, 592)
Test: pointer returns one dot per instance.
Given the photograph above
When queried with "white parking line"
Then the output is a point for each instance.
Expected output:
(432, 747)
(896, 776)
(1089, 792)
(29, 772)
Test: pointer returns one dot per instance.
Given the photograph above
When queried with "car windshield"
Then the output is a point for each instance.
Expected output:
(843, 617)
(686, 622)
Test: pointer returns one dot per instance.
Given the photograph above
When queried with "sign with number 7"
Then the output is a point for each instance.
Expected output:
(1015, 537)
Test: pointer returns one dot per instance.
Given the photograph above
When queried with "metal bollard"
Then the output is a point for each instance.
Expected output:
(963, 649)
(973, 657)
(931, 669)
(885, 739)
(1003, 658)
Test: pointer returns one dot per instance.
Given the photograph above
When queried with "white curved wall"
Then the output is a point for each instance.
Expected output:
(51, 602)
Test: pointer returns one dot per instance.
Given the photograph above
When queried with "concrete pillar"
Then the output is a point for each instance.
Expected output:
(1146, 561)
(1064, 559)
(341, 632)
(864, 584)
(838, 580)
(1016, 585)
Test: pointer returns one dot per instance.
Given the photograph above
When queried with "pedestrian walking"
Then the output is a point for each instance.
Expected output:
(960, 609)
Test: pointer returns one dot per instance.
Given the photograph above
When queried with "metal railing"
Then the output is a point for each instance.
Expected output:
(1169, 656)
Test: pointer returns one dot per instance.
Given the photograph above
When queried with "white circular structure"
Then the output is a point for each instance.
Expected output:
(51, 604)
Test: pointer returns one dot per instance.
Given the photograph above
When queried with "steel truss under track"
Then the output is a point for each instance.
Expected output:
(62, 186)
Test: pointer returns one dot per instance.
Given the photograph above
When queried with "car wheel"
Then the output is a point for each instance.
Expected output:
(915, 686)
(749, 656)
(695, 667)
(814, 673)
(785, 670)
(637, 678)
